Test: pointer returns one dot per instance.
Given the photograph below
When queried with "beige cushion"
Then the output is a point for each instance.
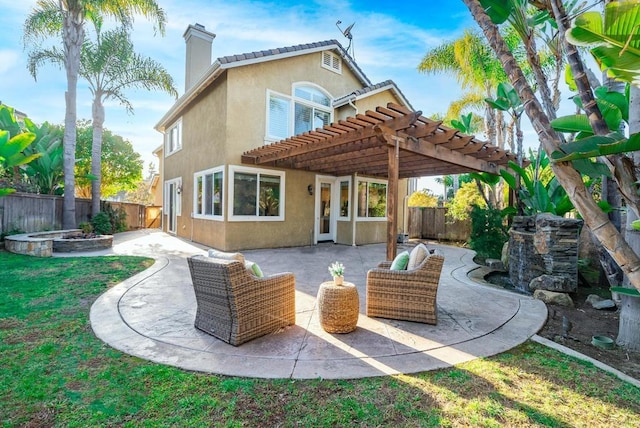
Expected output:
(417, 256)
(226, 256)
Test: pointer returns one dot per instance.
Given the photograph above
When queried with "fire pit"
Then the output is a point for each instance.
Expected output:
(75, 241)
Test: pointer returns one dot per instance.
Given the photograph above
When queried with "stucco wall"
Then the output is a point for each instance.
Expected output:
(204, 146)
(375, 100)
(229, 118)
(296, 230)
(247, 127)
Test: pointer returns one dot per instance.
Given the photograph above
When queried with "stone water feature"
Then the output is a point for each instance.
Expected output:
(543, 253)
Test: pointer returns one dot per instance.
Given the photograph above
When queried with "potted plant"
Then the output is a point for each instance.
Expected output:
(336, 269)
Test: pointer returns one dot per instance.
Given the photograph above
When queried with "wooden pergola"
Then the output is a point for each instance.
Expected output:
(392, 142)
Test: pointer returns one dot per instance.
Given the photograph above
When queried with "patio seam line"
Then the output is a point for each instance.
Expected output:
(124, 321)
(303, 344)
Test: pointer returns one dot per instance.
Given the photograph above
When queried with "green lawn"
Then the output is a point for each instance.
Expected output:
(54, 372)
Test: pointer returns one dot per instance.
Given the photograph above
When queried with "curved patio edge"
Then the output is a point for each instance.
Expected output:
(150, 315)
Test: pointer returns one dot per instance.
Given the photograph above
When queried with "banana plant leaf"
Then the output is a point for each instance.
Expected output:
(613, 42)
(509, 178)
(597, 145)
(591, 169)
(485, 177)
(633, 292)
(572, 123)
(11, 149)
(498, 10)
(617, 99)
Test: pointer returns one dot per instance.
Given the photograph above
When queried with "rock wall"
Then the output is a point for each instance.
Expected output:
(543, 252)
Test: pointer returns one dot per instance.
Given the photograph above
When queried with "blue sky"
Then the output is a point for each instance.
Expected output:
(389, 40)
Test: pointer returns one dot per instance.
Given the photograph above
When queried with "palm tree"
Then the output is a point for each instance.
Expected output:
(568, 177)
(66, 19)
(475, 67)
(110, 66)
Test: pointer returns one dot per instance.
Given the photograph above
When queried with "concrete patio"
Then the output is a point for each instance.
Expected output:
(151, 316)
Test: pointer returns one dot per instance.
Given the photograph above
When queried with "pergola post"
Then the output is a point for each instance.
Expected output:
(392, 199)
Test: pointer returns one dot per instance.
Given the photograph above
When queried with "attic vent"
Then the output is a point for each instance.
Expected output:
(332, 62)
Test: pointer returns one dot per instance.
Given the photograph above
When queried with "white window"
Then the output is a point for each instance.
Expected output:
(372, 199)
(278, 117)
(332, 62)
(344, 189)
(255, 194)
(173, 138)
(309, 108)
(208, 194)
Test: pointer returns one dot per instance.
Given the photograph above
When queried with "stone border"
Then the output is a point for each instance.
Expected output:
(41, 244)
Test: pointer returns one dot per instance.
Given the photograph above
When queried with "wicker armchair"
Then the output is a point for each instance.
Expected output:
(405, 294)
(236, 306)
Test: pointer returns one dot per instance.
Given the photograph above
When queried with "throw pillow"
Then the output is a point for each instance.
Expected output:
(226, 256)
(401, 261)
(253, 269)
(257, 271)
(417, 256)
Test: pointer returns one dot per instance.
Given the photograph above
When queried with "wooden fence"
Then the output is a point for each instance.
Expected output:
(29, 212)
(433, 223)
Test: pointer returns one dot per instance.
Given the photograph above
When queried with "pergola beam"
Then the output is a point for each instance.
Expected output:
(391, 142)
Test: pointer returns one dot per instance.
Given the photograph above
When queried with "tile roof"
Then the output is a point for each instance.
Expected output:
(288, 50)
(371, 88)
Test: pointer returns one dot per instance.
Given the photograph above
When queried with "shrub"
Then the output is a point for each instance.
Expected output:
(467, 196)
(109, 220)
(14, 231)
(102, 224)
(86, 227)
(488, 232)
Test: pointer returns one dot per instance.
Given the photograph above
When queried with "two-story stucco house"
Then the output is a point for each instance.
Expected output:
(242, 102)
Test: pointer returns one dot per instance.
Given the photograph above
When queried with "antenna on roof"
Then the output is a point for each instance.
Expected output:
(348, 35)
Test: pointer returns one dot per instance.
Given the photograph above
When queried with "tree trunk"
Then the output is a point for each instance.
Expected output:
(620, 166)
(629, 326)
(568, 177)
(97, 110)
(538, 74)
(73, 36)
(500, 129)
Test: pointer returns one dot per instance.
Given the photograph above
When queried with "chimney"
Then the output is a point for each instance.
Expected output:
(198, 58)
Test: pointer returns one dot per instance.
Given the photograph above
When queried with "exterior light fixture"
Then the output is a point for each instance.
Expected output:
(310, 189)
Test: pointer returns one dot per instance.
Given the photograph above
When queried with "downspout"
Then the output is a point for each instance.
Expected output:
(353, 106)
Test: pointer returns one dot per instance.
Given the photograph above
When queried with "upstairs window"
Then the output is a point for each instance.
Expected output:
(309, 108)
(174, 138)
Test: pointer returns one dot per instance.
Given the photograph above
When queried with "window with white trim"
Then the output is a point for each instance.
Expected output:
(344, 189)
(332, 62)
(372, 199)
(173, 138)
(309, 108)
(208, 194)
(255, 194)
